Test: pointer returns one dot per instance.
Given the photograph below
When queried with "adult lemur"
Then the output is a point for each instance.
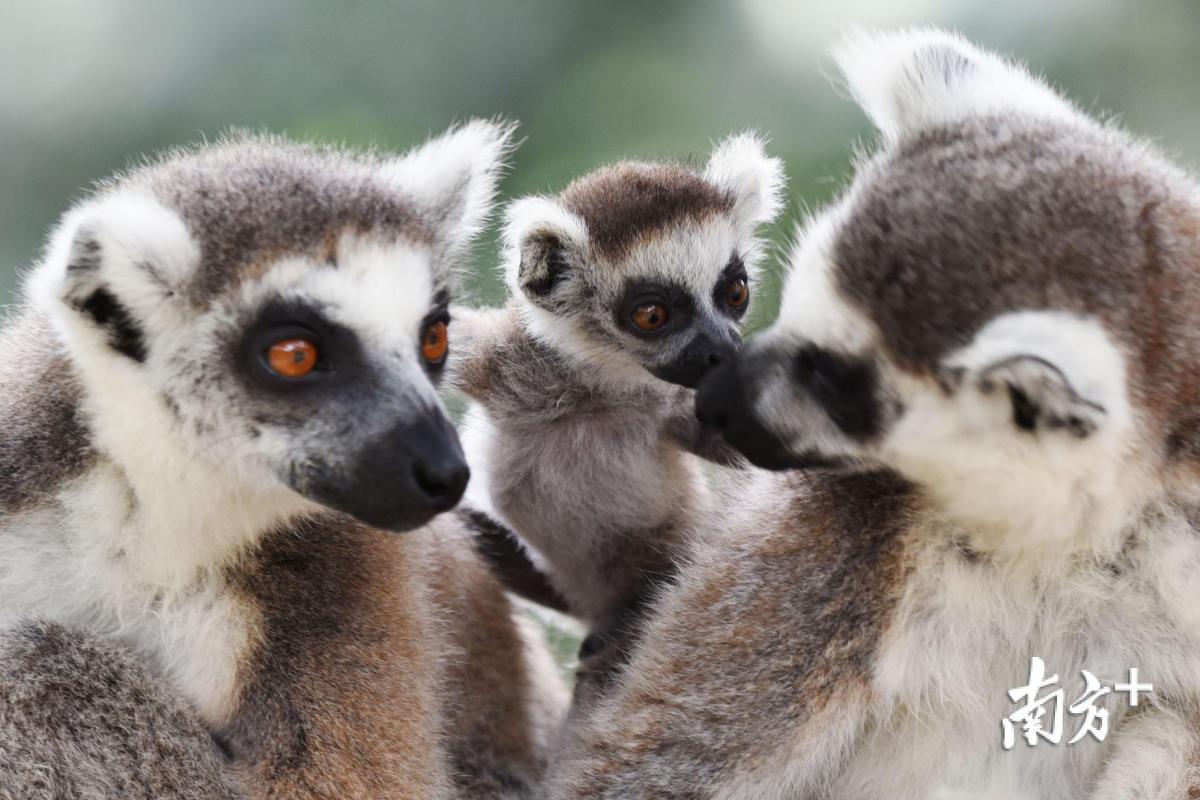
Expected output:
(626, 289)
(987, 365)
(219, 391)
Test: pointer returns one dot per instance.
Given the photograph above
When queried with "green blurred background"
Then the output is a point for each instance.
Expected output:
(86, 87)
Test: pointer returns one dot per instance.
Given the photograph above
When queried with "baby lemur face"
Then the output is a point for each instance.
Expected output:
(646, 268)
(280, 312)
(1002, 307)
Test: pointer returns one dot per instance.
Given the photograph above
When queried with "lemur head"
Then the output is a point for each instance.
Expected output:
(1004, 306)
(278, 312)
(645, 268)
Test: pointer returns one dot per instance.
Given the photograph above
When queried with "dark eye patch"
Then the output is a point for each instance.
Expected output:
(735, 270)
(439, 311)
(341, 358)
(845, 388)
(680, 306)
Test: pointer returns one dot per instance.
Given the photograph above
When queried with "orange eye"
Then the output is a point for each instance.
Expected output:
(292, 358)
(737, 294)
(435, 343)
(650, 317)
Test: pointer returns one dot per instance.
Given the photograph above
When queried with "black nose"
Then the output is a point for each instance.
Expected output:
(703, 354)
(720, 395)
(399, 479)
(442, 480)
(725, 402)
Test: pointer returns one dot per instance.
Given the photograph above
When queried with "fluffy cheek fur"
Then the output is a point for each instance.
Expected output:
(692, 254)
(1028, 490)
(380, 290)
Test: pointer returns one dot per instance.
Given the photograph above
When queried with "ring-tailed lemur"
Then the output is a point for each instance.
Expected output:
(986, 363)
(219, 390)
(626, 289)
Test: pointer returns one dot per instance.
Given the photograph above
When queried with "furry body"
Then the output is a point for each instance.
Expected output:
(164, 492)
(582, 433)
(80, 718)
(985, 361)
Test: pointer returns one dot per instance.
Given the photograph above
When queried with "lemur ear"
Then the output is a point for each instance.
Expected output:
(1049, 371)
(112, 264)
(453, 178)
(741, 166)
(910, 80)
(543, 243)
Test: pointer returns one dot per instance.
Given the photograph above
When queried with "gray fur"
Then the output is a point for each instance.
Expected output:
(1008, 292)
(156, 497)
(81, 719)
(588, 455)
(251, 198)
(45, 441)
(630, 200)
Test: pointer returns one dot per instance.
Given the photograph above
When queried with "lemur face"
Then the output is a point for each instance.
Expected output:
(646, 269)
(992, 307)
(284, 310)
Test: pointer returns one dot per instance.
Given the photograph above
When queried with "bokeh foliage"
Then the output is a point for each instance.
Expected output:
(87, 87)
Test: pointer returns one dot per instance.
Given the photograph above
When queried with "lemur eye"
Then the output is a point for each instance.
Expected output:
(435, 343)
(292, 358)
(650, 317)
(737, 294)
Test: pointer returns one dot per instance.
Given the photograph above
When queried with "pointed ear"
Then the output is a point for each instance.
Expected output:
(543, 243)
(453, 178)
(114, 263)
(1041, 397)
(741, 166)
(1051, 371)
(907, 81)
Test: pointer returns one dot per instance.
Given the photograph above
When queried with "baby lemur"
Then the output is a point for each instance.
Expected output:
(987, 367)
(223, 455)
(626, 289)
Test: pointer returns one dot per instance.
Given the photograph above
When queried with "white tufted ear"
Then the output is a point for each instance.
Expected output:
(453, 178)
(543, 240)
(113, 263)
(741, 165)
(1050, 371)
(910, 80)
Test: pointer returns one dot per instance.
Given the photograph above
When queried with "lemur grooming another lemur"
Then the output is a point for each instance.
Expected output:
(987, 365)
(625, 290)
(223, 455)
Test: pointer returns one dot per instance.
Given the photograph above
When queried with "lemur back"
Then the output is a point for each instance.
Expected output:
(626, 289)
(223, 453)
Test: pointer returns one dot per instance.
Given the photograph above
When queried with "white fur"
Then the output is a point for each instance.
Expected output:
(147, 254)
(811, 308)
(1032, 492)
(134, 548)
(454, 176)
(1082, 555)
(80, 566)
(902, 81)
(757, 181)
(963, 635)
(693, 255)
(531, 216)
